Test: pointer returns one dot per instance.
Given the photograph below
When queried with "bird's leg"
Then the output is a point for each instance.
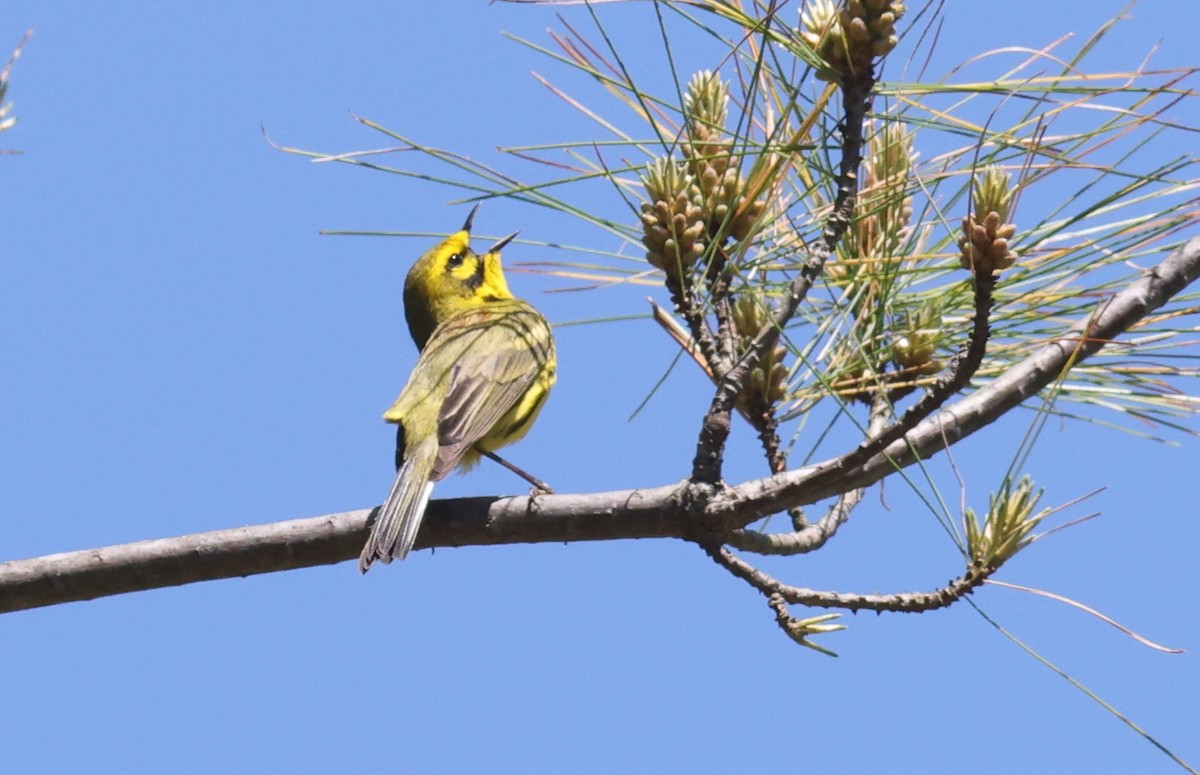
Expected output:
(539, 486)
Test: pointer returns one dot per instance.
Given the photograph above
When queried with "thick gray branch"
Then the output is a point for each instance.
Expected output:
(660, 512)
(333, 538)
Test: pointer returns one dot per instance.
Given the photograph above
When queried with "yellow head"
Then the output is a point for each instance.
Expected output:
(450, 278)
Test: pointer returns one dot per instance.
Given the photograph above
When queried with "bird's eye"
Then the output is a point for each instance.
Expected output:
(455, 261)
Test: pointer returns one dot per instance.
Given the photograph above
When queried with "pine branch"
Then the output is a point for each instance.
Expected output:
(898, 602)
(1025, 379)
(714, 431)
(675, 511)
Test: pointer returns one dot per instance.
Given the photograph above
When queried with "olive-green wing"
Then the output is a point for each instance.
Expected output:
(494, 364)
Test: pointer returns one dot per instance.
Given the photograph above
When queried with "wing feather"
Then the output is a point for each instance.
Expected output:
(496, 359)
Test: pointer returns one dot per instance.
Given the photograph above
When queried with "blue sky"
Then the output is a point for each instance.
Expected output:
(184, 352)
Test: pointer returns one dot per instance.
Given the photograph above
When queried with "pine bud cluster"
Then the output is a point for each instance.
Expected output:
(986, 232)
(852, 37)
(766, 384)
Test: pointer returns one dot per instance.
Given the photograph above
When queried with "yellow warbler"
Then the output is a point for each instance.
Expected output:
(487, 364)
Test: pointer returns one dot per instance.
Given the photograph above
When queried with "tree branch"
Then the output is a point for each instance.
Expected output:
(332, 538)
(805, 537)
(899, 602)
(660, 512)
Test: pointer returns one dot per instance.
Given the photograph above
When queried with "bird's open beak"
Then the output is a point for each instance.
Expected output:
(470, 219)
(496, 248)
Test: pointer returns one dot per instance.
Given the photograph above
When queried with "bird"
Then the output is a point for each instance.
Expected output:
(486, 365)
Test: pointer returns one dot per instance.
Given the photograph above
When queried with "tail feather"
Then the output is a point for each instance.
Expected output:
(399, 519)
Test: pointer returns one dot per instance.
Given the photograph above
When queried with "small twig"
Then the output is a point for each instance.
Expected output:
(768, 435)
(726, 336)
(803, 537)
(777, 461)
(799, 630)
(900, 602)
(803, 540)
(717, 276)
(765, 422)
(687, 303)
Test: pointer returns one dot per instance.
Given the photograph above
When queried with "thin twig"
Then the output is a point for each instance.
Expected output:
(806, 539)
(899, 602)
(803, 537)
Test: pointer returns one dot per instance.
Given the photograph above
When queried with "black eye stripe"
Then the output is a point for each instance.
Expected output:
(475, 280)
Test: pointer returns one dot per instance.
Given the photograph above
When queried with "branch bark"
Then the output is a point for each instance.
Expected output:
(658, 512)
